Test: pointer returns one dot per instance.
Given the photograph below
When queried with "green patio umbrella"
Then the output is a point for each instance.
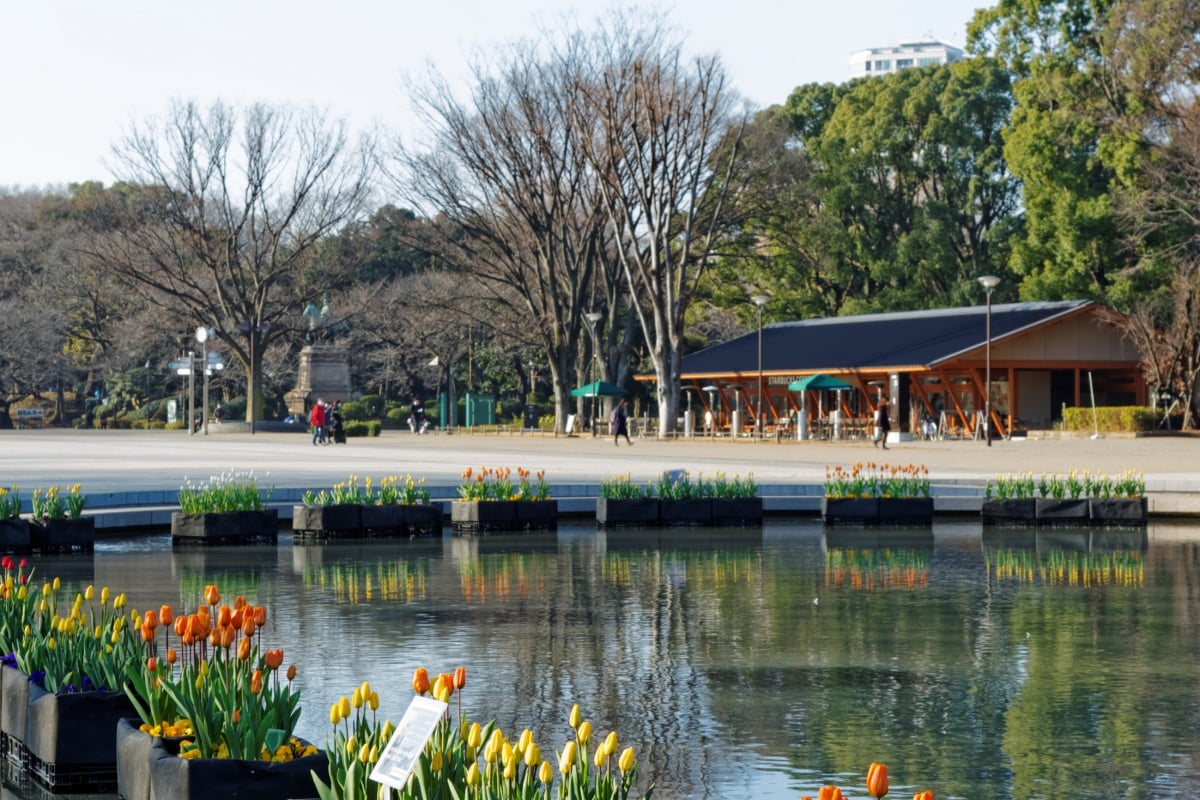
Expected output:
(818, 381)
(597, 389)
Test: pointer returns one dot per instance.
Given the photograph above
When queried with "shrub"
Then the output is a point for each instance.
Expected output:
(373, 404)
(1110, 418)
(353, 410)
(370, 427)
(396, 417)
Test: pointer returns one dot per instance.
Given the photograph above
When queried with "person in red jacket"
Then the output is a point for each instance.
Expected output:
(317, 420)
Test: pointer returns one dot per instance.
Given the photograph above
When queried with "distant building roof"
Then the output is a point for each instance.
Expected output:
(905, 55)
(877, 342)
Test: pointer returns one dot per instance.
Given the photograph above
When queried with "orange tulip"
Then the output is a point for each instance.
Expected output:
(260, 615)
(256, 682)
(925, 795)
(224, 617)
(214, 638)
(291, 673)
(172, 656)
(877, 780)
(152, 664)
(151, 619)
(181, 624)
(239, 601)
(227, 636)
(273, 659)
(420, 682)
(244, 649)
(248, 626)
(237, 715)
(460, 678)
(166, 614)
(212, 595)
(147, 633)
(829, 793)
(235, 618)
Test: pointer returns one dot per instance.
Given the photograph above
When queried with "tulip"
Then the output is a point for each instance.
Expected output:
(291, 672)
(151, 619)
(256, 682)
(89, 592)
(610, 743)
(364, 753)
(545, 773)
(435, 762)
(244, 649)
(273, 659)
(420, 683)
(344, 707)
(475, 736)
(877, 780)
(567, 759)
(260, 615)
(57, 584)
(166, 614)
(460, 678)
(829, 793)
(373, 701)
(181, 625)
(925, 795)
(584, 732)
(627, 761)
(152, 664)
(366, 691)
(212, 595)
(227, 635)
(575, 716)
(356, 700)
(600, 758)
(335, 714)
(172, 656)
(473, 778)
(224, 617)
(510, 770)
(104, 596)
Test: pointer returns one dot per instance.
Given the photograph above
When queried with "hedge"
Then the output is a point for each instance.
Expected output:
(368, 427)
(1110, 419)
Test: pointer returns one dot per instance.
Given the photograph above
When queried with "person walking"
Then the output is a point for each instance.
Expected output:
(620, 423)
(337, 428)
(882, 423)
(317, 420)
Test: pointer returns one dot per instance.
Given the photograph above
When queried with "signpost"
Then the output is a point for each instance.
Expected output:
(398, 759)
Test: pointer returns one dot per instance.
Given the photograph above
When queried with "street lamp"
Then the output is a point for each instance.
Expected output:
(592, 318)
(202, 338)
(988, 282)
(759, 300)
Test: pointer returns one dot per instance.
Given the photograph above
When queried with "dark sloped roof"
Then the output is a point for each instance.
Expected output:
(874, 341)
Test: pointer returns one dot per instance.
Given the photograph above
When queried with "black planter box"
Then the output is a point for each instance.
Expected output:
(850, 510)
(174, 778)
(226, 527)
(737, 510)
(383, 520)
(685, 512)
(1051, 511)
(344, 519)
(632, 512)
(63, 535)
(483, 516)
(1122, 511)
(423, 520)
(906, 510)
(1014, 511)
(537, 513)
(71, 738)
(14, 536)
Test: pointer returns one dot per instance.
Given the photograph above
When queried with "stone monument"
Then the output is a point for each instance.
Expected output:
(324, 365)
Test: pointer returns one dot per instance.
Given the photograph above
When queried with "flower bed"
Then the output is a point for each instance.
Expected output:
(676, 499)
(875, 493)
(1071, 499)
(491, 502)
(229, 508)
(393, 507)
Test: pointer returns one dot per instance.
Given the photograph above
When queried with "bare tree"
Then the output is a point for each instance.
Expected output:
(226, 211)
(516, 198)
(664, 134)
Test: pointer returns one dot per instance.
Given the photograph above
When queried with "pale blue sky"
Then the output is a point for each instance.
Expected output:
(74, 73)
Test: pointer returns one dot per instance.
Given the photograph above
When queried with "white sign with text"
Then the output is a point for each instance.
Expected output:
(398, 759)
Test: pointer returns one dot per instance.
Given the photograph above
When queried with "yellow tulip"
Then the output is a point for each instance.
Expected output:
(575, 716)
(356, 699)
(600, 758)
(610, 743)
(533, 755)
(104, 596)
(510, 770)
(344, 707)
(525, 740)
(584, 733)
(627, 760)
(435, 763)
(373, 701)
(473, 778)
(89, 593)
(475, 736)
(335, 715)
(567, 759)
(57, 584)
(545, 773)
(364, 753)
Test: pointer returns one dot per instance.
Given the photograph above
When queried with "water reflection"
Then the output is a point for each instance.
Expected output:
(740, 663)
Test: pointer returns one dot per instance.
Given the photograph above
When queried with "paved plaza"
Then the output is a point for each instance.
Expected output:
(124, 461)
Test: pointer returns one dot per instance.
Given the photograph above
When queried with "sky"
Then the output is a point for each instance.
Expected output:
(75, 74)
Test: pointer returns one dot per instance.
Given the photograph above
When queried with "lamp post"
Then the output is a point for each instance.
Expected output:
(202, 338)
(592, 318)
(759, 300)
(988, 282)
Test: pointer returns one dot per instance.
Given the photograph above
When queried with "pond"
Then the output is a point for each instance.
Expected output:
(755, 663)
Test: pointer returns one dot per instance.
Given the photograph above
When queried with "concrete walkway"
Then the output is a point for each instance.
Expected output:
(146, 468)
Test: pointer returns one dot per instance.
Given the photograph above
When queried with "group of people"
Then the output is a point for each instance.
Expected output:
(327, 424)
